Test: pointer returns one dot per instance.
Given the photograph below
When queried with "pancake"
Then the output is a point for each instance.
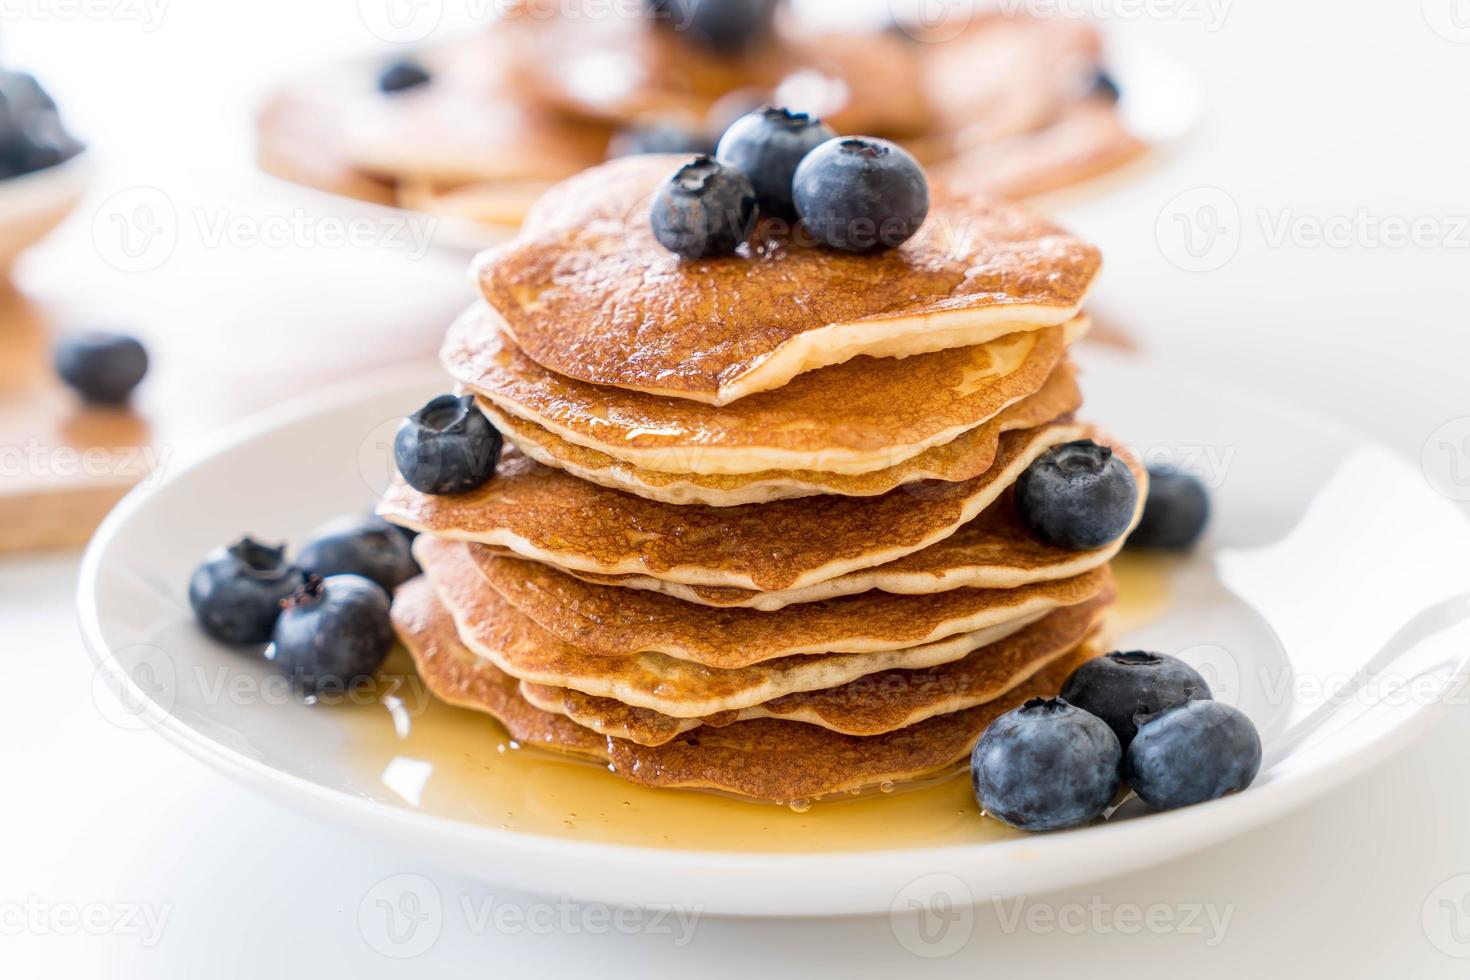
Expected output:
(296, 140)
(594, 297)
(994, 551)
(871, 705)
(548, 515)
(1006, 76)
(1087, 140)
(766, 759)
(606, 621)
(868, 414)
(966, 457)
(495, 630)
(501, 204)
(445, 136)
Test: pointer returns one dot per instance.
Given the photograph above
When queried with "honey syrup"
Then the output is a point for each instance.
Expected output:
(413, 750)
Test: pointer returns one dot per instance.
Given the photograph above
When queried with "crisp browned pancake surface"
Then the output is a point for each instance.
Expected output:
(963, 458)
(612, 622)
(994, 551)
(765, 759)
(548, 515)
(865, 415)
(870, 705)
(593, 295)
(494, 629)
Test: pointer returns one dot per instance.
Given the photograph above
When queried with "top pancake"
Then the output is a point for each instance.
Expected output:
(586, 291)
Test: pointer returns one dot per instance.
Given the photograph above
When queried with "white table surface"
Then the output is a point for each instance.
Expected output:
(1319, 113)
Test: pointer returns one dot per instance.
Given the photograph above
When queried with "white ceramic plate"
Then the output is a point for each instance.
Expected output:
(1328, 602)
(33, 204)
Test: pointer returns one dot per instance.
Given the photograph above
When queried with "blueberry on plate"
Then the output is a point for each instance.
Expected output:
(402, 75)
(333, 633)
(861, 194)
(1046, 765)
(448, 446)
(1077, 496)
(660, 136)
(1193, 752)
(1104, 86)
(1121, 685)
(359, 544)
(767, 146)
(101, 367)
(32, 136)
(705, 210)
(726, 27)
(1174, 513)
(236, 592)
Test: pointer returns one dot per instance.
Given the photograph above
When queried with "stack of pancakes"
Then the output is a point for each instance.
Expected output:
(1004, 107)
(754, 528)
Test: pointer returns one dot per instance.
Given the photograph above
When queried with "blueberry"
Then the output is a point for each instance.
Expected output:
(861, 194)
(659, 136)
(400, 76)
(1046, 766)
(705, 210)
(448, 446)
(101, 367)
(768, 145)
(31, 134)
(1120, 685)
(237, 591)
(1175, 512)
(333, 633)
(1077, 496)
(723, 26)
(360, 545)
(1192, 752)
(1104, 86)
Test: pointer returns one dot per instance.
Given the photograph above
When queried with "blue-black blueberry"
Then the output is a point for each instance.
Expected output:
(861, 194)
(1077, 496)
(705, 210)
(236, 592)
(1046, 765)
(447, 447)
(332, 634)
(767, 146)
(1190, 753)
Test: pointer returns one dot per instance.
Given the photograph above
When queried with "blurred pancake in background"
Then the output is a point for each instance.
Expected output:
(1008, 105)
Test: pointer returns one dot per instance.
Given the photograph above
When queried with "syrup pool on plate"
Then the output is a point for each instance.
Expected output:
(419, 752)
